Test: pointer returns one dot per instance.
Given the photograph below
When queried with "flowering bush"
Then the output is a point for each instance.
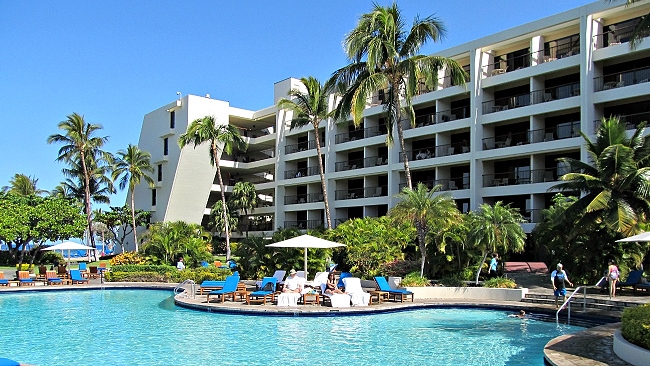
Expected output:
(127, 258)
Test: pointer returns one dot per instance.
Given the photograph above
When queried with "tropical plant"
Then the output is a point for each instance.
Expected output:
(415, 279)
(222, 138)
(216, 222)
(425, 210)
(23, 185)
(81, 148)
(500, 282)
(642, 28)
(616, 188)
(127, 258)
(119, 221)
(495, 228)
(244, 197)
(311, 107)
(384, 54)
(166, 241)
(132, 166)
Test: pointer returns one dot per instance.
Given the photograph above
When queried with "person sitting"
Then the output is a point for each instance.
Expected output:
(180, 265)
(292, 284)
(330, 286)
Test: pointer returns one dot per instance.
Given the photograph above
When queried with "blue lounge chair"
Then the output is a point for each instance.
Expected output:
(341, 284)
(383, 286)
(632, 279)
(75, 277)
(266, 291)
(229, 289)
(210, 285)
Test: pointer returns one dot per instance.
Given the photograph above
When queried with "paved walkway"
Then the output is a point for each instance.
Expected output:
(590, 347)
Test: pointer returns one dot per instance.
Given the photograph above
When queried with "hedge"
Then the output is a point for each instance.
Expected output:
(636, 325)
(163, 273)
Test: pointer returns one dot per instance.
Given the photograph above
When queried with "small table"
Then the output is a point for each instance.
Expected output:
(311, 299)
(381, 295)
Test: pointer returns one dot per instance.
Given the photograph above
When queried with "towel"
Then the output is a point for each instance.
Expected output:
(288, 299)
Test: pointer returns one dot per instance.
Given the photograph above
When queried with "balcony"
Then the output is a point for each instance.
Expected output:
(438, 151)
(301, 172)
(304, 224)
(303, 198)
(354, 193)
(522, 176)
(631, 120)
(509, 62)
(451, 184)
(562, 131)
(302, 146)
(618, 33)
(266, 226)
(621, 79)
(340, 166)
(534, 97)
(360, 134)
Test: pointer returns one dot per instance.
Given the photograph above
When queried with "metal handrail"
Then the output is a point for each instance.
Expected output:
(568, 301)
(180, 286)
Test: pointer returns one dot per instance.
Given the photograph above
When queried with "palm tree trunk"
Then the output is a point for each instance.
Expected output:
(478, 273)
(400, 136)
(322, 177)
(135, 235)
(87, 195)
(223, 200)
(423, 249)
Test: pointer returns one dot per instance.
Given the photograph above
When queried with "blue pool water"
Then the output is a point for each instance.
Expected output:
(144, 327)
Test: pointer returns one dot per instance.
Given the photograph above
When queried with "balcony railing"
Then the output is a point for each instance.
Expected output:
(302, 146)
(445, 184)
(521, 177)
(621, 79)
(562, 131)
(304, 224)
(631, 120)
(534, 97)
(303, 198)
(360, 134)
(266, 226)
(340, 166)
(618, 36)
(438, 151)
(523, 61)
(354, 193)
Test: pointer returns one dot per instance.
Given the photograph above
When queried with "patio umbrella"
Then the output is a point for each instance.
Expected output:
(639, 237)
(306, 241)
(68, 245)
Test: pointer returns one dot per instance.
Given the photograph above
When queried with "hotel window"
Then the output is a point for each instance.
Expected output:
(166, 147)
(172, 119)
(153, 197)
(160, 172)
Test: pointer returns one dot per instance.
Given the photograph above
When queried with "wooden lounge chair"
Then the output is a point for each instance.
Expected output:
(3, 280)
(93, 272)
(41, 273)
(265, 293)
(75, 277)
(62, 272)
(52, 278)
(24, 279)
(229, 289)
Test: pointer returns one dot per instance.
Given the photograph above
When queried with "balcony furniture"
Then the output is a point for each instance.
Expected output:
(501, 182)
(548, 97)
(380, 161)
(549, 136)
(549, 58)
(505, 143)
(352, 195)
(499, 71)
(465, 149)
(488, 144)
(451, 150)
(609, 85)
(377, 192)
(452, 185)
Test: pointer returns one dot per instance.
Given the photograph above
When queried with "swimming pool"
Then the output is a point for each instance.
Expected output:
(144, 327)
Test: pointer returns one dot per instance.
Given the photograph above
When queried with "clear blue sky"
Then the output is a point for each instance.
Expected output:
(114, 61)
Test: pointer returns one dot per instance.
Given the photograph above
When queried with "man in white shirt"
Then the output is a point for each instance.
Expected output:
(293, 283)
(180, 265)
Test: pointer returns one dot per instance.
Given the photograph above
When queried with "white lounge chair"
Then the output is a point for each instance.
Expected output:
(358, 297)
(337, 300)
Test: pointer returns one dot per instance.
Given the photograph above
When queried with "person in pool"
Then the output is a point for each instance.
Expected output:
(521, 315)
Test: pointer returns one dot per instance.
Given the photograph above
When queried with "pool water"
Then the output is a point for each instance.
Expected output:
(144, 327)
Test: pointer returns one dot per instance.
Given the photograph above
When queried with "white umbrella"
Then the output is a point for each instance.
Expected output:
(306, 241)
(639, 237)
(68, 245)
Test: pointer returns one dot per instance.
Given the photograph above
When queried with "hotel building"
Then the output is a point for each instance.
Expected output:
(531, 89)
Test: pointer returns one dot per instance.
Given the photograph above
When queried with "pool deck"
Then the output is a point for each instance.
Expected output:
(590, 347)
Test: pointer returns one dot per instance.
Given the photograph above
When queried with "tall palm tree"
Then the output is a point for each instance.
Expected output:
(426, 210)
(615, 187)
(311, 107)
(222, 138)
(83, 148)
(23, 185)
(384, 54)
(493, 228)
(131, 166)
(244, 197)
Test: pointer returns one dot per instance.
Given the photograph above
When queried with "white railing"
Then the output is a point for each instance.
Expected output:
(180, 286)
(567, 303)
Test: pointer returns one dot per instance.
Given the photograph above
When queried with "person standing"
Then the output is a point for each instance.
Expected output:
(612, 278)
(494, 263)
(559, 279)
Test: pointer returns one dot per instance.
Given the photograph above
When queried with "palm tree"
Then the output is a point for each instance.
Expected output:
(222, 138)
(642, 28)
(244, 197)
(311, 107)
(426, 210)
(83, 148)
(615, 187)
(495, 227)
(131, 166)
(23, 185)
(391, 61)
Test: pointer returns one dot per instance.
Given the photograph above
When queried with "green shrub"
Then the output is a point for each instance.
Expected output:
(452, 282)
(163, 273)
(23, 267)
(162, 269)
(636, 325)
(413, 279)
(399, 268)
(50, 257)
(499, 282)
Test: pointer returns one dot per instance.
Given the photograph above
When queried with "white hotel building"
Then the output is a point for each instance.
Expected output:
(530, 90)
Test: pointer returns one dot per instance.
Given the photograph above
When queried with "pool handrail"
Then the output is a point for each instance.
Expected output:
(568, 302)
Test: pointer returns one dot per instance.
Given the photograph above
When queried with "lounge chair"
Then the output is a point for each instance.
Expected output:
(52, 278)
(62, 272)
(335, 300)
(383, 286)
(83, 268)
(279, 275)
(3, 280)
(641, 286)
(633, 278)
(266, 292)
(75, 277)
(24, 279)
(343, 276)
(210, 285)
(358, 297)
(93, 272)
(42, 271)
(229, 288)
